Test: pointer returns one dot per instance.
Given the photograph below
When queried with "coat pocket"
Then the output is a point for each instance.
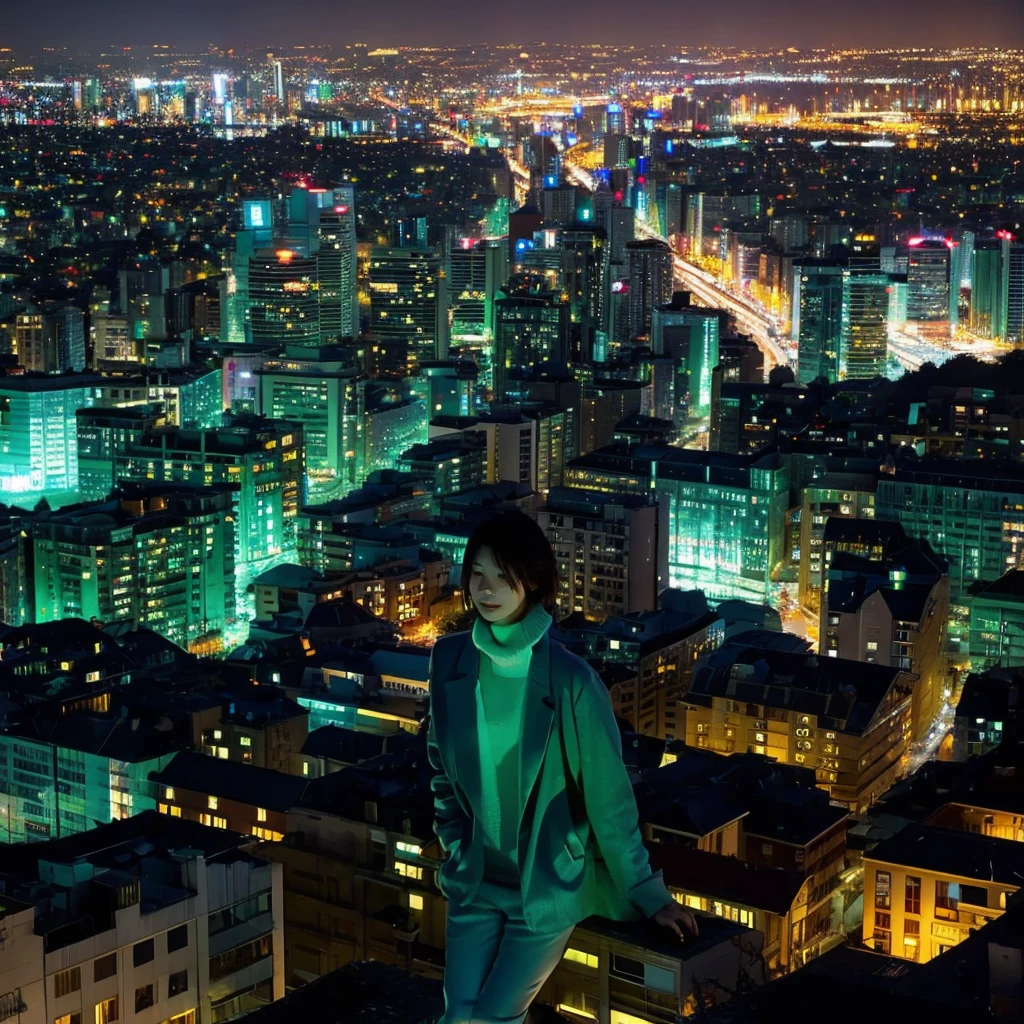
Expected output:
(574, 845)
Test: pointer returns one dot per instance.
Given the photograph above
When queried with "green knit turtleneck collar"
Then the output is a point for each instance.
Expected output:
(510, 647)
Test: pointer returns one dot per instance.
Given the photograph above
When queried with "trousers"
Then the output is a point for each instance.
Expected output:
(494, 964)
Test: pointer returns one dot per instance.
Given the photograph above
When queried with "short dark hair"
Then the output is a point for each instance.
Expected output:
(521, 551)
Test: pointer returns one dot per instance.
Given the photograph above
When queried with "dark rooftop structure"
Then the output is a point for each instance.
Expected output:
(848, 693)
(231, 780)
(978, 980)
(954, 852)
(361, 992)
(727, 878)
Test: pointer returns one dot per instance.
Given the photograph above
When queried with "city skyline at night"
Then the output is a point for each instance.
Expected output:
(352, 380)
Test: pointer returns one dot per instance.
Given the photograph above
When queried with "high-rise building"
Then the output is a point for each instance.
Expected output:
(864, 340)
(160, 557)
(102, 434)
(317, 388)
(997, 290)
(615, 119)
(650, 282)
(725, 514)
(611, 552)
(284, 298)
(409, 303)
(111, 339)
(263, 459)
(51, 338)
(558, 202)
(817, 319)
(531, 330)
(689, 335)
(322, 223)
(931, 268)
(39, 436)
(476, 272)
(841, 320)
(972, 513)
(584, 250)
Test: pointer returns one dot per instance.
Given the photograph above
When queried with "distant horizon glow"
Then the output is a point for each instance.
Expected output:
(750, 24)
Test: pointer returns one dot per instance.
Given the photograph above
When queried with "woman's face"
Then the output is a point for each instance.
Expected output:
(496, 599)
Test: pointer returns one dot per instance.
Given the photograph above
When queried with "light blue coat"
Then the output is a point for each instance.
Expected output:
(580, 849)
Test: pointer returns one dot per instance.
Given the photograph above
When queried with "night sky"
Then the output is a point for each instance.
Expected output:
(762, 23)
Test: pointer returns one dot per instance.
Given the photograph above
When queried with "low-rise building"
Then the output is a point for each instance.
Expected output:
(927, 888)
(146, 920)
(227, 795)
(849, 721)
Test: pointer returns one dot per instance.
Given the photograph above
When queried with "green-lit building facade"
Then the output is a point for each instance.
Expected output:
(158, 557)
(725, 514)
(971, 512)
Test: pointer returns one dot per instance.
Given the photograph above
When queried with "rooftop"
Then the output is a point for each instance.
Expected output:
(232, 780)
(955, 853)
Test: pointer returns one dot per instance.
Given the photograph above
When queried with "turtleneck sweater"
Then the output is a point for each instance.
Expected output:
(505, 653)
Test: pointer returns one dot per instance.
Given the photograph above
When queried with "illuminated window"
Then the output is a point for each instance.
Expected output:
(261, 814)
(106, 1011)
(579, 956)
(211, 803)
(245, 741)
(168, 793)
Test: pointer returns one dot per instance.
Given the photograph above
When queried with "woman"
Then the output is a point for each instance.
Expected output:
(533, 804)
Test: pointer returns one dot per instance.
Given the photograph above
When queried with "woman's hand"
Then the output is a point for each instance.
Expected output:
(672, 915)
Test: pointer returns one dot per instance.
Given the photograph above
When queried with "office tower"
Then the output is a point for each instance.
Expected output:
(317, 388)
(190, 397)
(51, 338)
(609, 548)
(557, 442)
(584, 265)
(930, 269)
(689, 336)
(725, 514)
(864, 340)
(284, 298)
(841, 320)
(38, 437)
(255, 233)
(997, 290)
(102, 433)
(410, 232)
(650, 282)
(615, 119)
(989, 288)
(817, 319)
(322, 224)
(156, 557)
(557, 202)
(531, 330)
(476, 272)
(277, 73)
(263, 459)
(409, 303)
(670, 208)
(391, 420)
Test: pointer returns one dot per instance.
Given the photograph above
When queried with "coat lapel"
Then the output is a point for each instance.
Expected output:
(538, 721)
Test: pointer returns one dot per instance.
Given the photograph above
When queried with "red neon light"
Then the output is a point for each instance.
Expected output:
(341, 209)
